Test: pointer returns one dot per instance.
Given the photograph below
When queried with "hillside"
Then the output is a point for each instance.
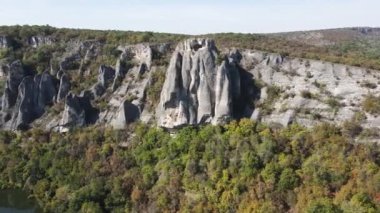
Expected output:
(59, 79)
(112, 121)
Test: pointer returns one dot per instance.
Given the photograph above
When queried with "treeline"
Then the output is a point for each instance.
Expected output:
(363, 53)
(19, 35)
(358, 52)
(240, 167)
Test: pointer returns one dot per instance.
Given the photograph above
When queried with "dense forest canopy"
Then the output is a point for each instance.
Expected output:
(242, 166)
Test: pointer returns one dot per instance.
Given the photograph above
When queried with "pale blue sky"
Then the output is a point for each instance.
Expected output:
(193, 17)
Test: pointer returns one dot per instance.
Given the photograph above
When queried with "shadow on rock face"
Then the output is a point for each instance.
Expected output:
(249, 93)
(132, 112)
(91, 113)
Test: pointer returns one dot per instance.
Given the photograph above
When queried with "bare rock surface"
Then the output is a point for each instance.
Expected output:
(196, 90)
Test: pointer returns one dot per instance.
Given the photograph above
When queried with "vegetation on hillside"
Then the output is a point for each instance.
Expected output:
(356, 52)
(242, 166)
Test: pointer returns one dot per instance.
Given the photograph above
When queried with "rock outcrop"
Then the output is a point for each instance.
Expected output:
(127, 113)
(106, 75)
(4, 42)
(310, 91)
(78, 112)
(64, 88)
(196, 91)
(140, 53)
(16, 74)
(120, 72)
(47, 90)
(26, 108)
(74, 113)
(36, 41)
(3, 70)
(202, 85)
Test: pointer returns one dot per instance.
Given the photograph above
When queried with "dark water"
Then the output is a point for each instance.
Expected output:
(16, 201)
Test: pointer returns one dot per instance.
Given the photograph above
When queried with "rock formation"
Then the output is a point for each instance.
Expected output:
(127, 113)
(36, 41)
(47, 90)
(4, 42)
(64, 88)
(26, 109)
(195, 90)
(202, 85)
(106, 75)
(15, 75)
(120, 73)
(74, 113)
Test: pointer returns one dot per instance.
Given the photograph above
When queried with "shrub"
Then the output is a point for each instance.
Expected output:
(368, 84)
(306, 94)
(333, 103)
(352, 128)
(371, 104)
(154, 89)
(288, 179)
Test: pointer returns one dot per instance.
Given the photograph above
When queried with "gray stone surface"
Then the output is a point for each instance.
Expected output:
(322, 79)
(64, 88)
(74, 114)
(14, 77)
(26, 109)
(47, 90)
(106, 75)
(120, 72)
(202, 85)
(36, 41)
(195, 90)
(127, 113)
(4, 42)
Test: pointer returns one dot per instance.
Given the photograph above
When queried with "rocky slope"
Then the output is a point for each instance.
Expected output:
(202, 84)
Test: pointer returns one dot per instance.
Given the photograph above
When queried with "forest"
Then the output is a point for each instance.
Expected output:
(243, 166)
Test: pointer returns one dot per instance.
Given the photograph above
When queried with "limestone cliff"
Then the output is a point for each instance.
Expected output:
(201, 84)
(198, 90)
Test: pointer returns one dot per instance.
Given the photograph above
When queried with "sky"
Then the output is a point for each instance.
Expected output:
(193, 17)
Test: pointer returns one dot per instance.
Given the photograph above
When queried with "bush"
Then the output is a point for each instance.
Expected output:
(306, 94)
(288, 180)
(154, 89)
(323, 205)
(371, 104)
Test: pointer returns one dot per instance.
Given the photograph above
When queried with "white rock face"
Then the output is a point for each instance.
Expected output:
(325, 81)
(4, 42)
(140, 53)
(196, 90)
(36, 41)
